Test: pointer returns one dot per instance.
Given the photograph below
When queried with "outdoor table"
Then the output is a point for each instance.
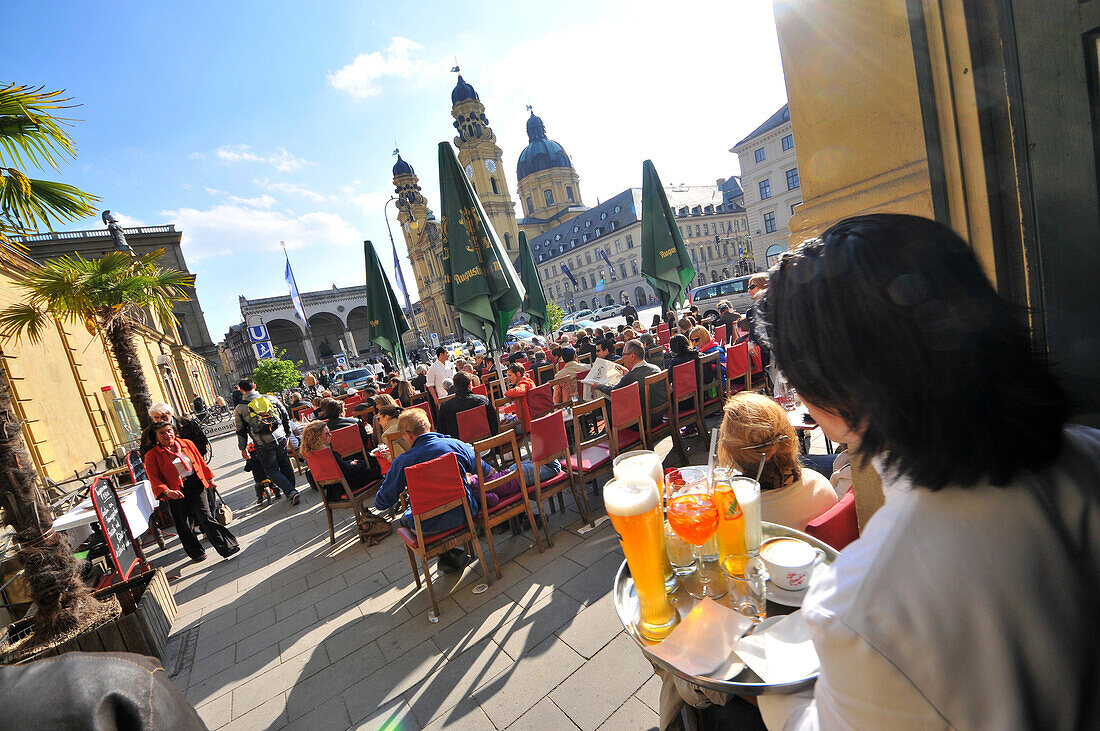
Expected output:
(797, 417)
(745, 683)
(137, 502)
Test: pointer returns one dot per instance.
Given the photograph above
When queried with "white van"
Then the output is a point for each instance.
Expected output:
(707, 297)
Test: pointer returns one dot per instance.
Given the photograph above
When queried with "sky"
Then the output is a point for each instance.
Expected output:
(250, 123)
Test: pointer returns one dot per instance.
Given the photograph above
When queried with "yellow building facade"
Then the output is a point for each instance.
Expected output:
(980, 114)
(65, 388)
(549, 188)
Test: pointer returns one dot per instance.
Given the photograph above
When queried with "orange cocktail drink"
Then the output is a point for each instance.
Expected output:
(694, 517)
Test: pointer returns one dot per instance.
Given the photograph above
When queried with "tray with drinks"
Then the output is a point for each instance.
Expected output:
(746, 681)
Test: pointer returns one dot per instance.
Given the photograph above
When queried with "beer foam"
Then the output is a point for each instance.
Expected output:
(630, 496)
(645, 464)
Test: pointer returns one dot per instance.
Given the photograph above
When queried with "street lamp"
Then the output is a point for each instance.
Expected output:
(397, 263)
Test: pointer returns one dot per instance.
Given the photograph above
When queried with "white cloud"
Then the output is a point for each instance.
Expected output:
(128, 221)
(289, 189)
(280, 159)
(363, 77)
(263, 201)
(237, 228)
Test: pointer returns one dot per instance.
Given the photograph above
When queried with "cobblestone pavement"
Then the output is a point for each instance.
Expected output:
(296, 633)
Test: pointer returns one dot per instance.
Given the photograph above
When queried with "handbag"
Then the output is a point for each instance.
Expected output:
(222, 513)
(372, 528)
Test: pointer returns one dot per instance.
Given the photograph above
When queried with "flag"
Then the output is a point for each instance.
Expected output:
(534, 304)
(603, 253)
(400, 277)
(385, 319)
(569, 274)
(294, 296)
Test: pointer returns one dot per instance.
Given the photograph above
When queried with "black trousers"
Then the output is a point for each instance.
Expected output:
(192, 513)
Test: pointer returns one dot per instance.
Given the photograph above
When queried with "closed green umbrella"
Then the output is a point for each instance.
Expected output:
(534, 304)
(479, 279)
(666, 263)
(385, 319)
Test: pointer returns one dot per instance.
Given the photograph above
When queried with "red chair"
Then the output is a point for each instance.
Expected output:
(549, 442)
(720, 334)
(435, 487)
(347, 442)
(325, 471)
(685, 397)
(473, 424)
(659, 415)
(838, 526)
(591, 452)
(427, 409)
(351, 402)
(540, 400)
(626, 412)
(664, 335)
(480, 391)
(739, 375)
(306, 415)
(509, 507)
(712, 395)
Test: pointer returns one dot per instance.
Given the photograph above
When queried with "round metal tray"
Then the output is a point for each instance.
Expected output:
(745, 683)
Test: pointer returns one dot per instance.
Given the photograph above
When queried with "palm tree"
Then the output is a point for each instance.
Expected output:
(30, 133)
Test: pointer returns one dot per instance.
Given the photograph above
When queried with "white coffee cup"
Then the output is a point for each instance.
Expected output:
(790, 561)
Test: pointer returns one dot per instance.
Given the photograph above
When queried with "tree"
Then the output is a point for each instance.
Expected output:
(554, 316)
(273, 375)
(29, 133)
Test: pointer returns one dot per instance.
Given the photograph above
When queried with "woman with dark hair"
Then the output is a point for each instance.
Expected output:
(971, 598)
(402, 391)
(680, 351)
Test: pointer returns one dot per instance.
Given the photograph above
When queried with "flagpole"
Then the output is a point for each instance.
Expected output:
(397, 262)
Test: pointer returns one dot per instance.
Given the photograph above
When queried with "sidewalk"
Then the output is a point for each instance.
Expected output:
(296, 633)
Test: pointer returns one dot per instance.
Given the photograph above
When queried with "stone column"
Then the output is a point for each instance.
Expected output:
(349, 340)
(307, 346)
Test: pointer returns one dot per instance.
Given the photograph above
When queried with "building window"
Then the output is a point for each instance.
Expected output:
(569, 193)
(697, 230)
(634, 266)
(584, 238)
(788, 142)
(765, 189)
(773, 253)
(769, 222)
(549, 196)
(618, 244)
(622, 268)
(597, 231)
(792, 178)
(587, 257)
(530, 205)
(706, 229)
(493, 182)
(759, 154)
(629, 241)
(729, 227)
(507, 242)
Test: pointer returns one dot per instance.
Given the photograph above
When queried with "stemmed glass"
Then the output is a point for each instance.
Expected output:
(693, 516)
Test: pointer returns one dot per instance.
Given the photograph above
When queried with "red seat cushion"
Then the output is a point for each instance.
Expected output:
(628, 437)
(591, 458)
(560, 477)
(409, 536)
(510, 500)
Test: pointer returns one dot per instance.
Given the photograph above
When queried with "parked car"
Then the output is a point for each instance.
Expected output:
(578, 325)
(578, 315)
(354, 378)
(606, 312)
(707, 297)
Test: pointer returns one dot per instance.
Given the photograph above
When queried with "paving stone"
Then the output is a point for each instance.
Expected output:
(650, 693)
(596, 545)
(391, 681)
(322, 680)
(532, 560)
(213, 664)
(542, 582)
(270, 715)
(201, 690)
(308, 597)
(260, 688)
(329, 715)
(593, 627)
(272, 635)
(510, 694)
(359, 632)
(248, 607)
(544, 715)
(595, 691)
(511, 573)
(217, 712)
(633, 715)
(419, 629)
(476, 626)
(534, 624)
(394, 714)
(455, 680)
(311, 636)
(351, 595)
(594, 582)
(466, 716)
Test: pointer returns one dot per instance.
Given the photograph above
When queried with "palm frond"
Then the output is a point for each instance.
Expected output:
(27, 205)
(30, 132)
(23, 320)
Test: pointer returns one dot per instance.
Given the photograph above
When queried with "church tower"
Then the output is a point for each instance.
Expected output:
(549, 187)
(424, 244)
(481, 160)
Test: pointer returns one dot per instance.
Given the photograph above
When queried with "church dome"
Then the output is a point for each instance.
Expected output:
(402, 168)
(541, 152)
(462, 91)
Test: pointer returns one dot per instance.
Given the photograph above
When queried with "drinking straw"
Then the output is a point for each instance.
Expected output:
(760, 471)
(713, 449)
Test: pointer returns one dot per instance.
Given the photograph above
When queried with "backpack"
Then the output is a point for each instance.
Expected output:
(262, 416)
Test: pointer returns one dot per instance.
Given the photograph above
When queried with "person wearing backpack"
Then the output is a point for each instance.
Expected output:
(265, 419)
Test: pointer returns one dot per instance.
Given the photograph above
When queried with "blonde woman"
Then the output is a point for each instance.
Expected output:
(753, 428)
(358, 473)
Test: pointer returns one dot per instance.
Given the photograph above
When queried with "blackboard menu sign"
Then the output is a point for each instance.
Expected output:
(116, 530)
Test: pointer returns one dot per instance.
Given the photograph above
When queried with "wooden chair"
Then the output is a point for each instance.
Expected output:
(496, 390)
(685, 397)
(544, 374)
(427, 409)
(473, 424)
(509, 507)
(664, 335)
(619, 347)
(591, 453)
(585, 358)
(325, 471)
(351, 402)
(626, 412)
(540, 400)
(656, 356)
(480, 391)
(444, 400)
(741, 373)
(548, 443)
(306, 415)
(720, 335)
(561, 386)
(711, 395)
(435, 487)
(347, 442)
(659, 418)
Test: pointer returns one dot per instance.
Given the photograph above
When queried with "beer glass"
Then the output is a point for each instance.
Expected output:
(694, 517)
(746, 579)
(634, 506)
(646, 464)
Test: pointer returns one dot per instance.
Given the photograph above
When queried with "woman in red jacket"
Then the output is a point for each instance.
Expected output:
(179, 475)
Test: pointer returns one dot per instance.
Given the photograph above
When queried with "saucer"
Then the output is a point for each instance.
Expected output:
(786, 597)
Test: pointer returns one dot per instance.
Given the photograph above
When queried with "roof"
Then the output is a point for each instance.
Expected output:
(781, 117)
(462, 91)
(619, 212)
(541, 153)
(402, 168)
